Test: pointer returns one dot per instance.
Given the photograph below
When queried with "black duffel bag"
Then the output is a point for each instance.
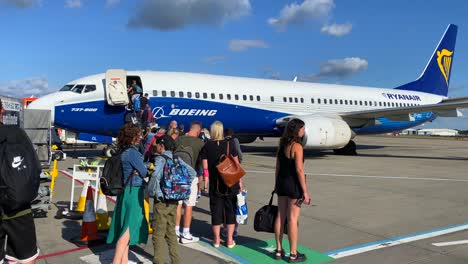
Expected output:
(265, 217)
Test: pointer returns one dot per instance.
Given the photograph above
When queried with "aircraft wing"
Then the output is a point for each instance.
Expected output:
(446, 108)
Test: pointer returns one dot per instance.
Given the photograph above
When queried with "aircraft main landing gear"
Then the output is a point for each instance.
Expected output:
(349, 149)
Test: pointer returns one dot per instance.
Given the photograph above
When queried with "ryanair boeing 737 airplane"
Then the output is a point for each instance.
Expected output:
(333, 114)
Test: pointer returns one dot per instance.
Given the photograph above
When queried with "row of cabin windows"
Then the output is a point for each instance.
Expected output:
(285, 99)
(205, 95)
(345, 102)
(361, 103)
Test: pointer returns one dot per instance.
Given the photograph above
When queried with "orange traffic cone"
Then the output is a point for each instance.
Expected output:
(102, 216)
(82, 201)
(89, 227)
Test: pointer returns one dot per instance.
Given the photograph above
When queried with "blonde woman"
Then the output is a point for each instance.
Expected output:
(223, 199)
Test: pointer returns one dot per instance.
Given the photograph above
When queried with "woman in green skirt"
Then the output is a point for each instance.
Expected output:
(129, 225)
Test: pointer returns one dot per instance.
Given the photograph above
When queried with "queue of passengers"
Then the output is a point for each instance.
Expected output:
(157, 145)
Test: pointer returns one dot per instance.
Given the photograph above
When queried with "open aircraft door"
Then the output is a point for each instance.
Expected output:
(116, 87)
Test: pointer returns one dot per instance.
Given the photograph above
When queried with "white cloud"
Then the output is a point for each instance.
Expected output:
(239, 45)
(112, 3)
(36, 86)
(271, 73)
(73, 3)
(299, 14)
(214, 60)
(337, 30)
(339, 69)
(166, 15)
(21, 3)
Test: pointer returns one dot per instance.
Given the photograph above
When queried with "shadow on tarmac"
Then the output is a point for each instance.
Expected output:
(83, 152)
(71, 231)
(109, 250)
(204, 230)
(201, 210)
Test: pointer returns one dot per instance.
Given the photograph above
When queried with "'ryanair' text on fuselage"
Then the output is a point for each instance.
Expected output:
(401, 97)
(193, 112)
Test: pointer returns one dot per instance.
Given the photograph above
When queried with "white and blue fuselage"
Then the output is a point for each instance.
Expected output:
(249, 106)
(261, 107)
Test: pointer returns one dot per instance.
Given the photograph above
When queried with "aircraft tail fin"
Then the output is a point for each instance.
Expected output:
(435, 78)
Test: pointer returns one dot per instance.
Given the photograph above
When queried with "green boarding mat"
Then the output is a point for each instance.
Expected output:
(263, 252)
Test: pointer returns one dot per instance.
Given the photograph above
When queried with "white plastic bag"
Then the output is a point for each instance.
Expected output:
(242, 211)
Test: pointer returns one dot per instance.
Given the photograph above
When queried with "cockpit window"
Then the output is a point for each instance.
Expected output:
(89, 88)
(67, 87)
(78, 88)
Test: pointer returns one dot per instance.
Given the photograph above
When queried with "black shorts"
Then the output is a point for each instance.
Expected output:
(19, 234)
(223, 209)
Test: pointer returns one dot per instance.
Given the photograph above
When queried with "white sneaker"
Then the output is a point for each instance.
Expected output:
(186, 239)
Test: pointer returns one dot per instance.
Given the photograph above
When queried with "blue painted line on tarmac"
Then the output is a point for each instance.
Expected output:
(330, 253)
(237, 258)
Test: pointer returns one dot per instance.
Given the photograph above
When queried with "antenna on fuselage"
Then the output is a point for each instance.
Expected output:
(295, 79)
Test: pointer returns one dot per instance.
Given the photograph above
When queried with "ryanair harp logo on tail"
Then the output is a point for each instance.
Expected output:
(444, 59)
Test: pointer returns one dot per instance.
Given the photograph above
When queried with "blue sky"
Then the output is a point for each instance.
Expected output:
(47, 43)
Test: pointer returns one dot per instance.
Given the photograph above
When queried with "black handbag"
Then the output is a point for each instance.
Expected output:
(265, 218)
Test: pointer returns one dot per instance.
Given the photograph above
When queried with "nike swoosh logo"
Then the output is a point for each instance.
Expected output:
(16, 164)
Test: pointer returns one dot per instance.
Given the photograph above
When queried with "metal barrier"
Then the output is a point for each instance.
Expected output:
(85, 172)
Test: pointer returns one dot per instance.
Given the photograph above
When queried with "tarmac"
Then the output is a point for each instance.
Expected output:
(389, 204)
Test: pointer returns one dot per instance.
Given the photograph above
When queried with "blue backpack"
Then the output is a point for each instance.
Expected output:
(136, 104)
(176, 182)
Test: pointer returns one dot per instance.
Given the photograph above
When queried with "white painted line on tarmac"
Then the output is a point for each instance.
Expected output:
(264, 172)
(345, 252)
(391, 177)
(209, 250)
(369, 176)
(451, 243)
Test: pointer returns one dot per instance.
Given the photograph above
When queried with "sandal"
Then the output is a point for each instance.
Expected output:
(279, 254)
(298, 257)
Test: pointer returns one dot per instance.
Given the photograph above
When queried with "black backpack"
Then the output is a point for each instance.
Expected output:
(20, 169)
(111, 180)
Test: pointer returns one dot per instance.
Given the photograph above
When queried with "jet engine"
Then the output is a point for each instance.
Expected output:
(325, 132)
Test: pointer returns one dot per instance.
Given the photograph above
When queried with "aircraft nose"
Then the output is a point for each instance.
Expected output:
(46, 102)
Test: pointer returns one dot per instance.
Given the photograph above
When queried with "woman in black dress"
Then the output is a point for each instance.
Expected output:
(223, 199)
(290, 187)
